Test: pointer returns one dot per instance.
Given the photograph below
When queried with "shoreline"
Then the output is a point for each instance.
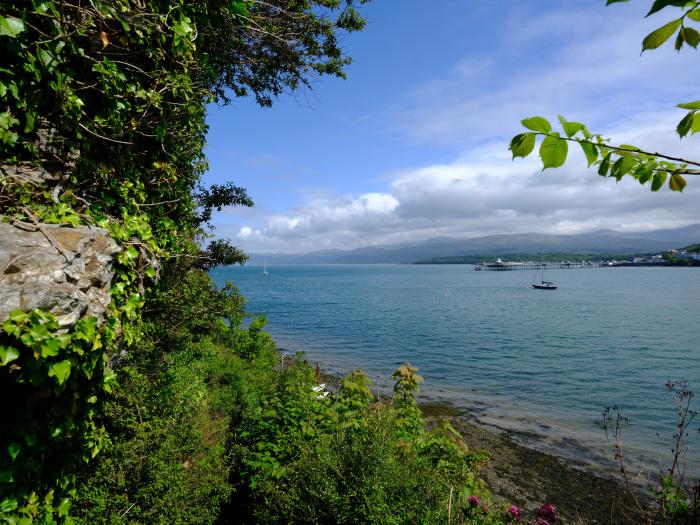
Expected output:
(528, 477)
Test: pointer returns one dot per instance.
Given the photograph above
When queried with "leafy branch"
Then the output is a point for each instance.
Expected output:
(622, 160)
(611, 160)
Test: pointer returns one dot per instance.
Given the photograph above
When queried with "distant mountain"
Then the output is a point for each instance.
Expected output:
(598, 242)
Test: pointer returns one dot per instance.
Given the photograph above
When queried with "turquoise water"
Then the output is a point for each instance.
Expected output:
(541, 364)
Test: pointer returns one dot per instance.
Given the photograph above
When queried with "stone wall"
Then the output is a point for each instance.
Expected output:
(57, 268)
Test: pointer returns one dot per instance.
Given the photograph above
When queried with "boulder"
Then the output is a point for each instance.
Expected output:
(57, 268)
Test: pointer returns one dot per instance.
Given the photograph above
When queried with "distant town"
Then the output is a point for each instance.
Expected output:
(688, 256)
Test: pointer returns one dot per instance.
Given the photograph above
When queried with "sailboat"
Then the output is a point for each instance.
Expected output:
(264, 272)
(543, 285)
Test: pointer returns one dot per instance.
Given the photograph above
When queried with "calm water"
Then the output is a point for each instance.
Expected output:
(543, 364)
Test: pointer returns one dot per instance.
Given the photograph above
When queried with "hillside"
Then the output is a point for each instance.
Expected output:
(599, 242)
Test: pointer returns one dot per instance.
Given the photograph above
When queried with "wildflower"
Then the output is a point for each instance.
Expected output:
(542, 521)
(485, 509)
(513, 512)
(548, 513)
(473, 501)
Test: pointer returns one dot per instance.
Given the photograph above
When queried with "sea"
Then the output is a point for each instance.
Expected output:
(541, 365)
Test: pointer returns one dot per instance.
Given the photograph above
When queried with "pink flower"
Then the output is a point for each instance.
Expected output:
(548, 513)
(542, 521)
(513, 512)
(485, 509)
(473, 501)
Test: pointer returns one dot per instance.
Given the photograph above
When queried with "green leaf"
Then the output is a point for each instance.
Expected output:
(13, 449)
(658, 181)
(656, 38)
(695, 127)
(570, 128)
(60, 370)
(10, 26)
(50, 348)
(539, 124)
(521, 146)
(590, 151)
(609, 2)
(658, 5)
(622, 166)
(604, 166)
(691, 36)
(64, 507)
(677, 183)
(685, 124)
(553, 151)
(690, 105)
(8, 354)
(694, 15)
(18, 316)
(644, 172)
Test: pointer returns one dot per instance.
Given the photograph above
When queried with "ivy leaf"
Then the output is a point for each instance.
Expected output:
(590, 151)
(8, 354)
(677, 183)
(656, 38)
(10, 26)
(522, 145)
(553, 151)
(60, 370)
(50, 348)
(539, 124)
(13, 449)
(658, 181)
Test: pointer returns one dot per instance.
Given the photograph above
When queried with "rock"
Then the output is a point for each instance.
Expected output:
(64, 270)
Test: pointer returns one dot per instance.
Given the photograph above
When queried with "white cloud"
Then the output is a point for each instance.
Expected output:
(592, 72)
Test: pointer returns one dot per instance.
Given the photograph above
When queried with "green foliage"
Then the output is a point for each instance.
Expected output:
(50, 383)
(618, 161)
(109, 97)
(347, 458)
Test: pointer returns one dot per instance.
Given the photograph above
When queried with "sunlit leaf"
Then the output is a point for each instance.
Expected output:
(658, 181)
(10, 26)
(8, 354)
(60, 370)
(553, 151)
(539, 124)
(590, 151)
(656, 38)
(522, 145)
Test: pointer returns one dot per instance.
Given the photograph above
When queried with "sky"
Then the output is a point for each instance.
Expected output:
(413, 144)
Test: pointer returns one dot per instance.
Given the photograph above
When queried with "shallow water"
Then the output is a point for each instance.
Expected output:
(542, 364)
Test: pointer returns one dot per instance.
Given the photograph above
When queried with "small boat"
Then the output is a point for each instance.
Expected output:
(543, 285)
(264, 272)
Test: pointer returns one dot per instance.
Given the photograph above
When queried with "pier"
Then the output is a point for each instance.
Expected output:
(500, 266)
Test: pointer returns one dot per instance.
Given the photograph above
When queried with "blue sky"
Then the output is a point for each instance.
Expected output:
(413, 144)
